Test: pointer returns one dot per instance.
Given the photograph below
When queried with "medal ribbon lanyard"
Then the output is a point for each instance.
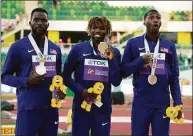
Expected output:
(37, 50)
(155, 54)
(91, 43)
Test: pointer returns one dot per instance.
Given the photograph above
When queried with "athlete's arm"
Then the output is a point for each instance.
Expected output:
(58, 61)
(130, 66)
(13, 65)
(114, 67)
(174, 78)
(69, 67)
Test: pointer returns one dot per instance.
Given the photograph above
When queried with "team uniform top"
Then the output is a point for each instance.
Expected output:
(167, 72)
(88, 69)
(20, 60)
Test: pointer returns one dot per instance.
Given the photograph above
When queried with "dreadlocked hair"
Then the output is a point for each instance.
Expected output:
(104, 21)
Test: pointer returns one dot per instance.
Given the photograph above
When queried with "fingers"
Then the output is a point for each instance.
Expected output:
(109, 53)
(146, 58)
(60, 95)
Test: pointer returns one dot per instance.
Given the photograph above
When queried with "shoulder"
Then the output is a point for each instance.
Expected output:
(80, 46)
(134, 40)
(116, 51)
(53, 46)
(168, 42)
(18, 44)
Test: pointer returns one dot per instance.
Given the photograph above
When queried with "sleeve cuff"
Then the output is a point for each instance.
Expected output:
(177, 103)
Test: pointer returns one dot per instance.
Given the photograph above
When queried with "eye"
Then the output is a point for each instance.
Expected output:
(151, 17)
(35, 19)
(158, 18)
(44, 20)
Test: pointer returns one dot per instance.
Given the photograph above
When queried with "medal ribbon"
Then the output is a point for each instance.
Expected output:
(37, 50)
(91, 43)
(155, 54)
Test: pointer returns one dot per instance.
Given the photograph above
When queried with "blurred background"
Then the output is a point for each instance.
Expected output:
(68, 21)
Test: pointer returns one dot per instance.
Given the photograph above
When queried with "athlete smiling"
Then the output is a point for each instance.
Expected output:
(84, 60)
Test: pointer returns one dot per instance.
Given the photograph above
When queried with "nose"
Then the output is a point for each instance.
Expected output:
(98, 30)
(155, 20)
(39, 22)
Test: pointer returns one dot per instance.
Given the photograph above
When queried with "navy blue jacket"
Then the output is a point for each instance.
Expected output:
(157, 95)
(75, 64)
(17, 68)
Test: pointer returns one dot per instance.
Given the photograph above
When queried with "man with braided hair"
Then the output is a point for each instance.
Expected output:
(90, 65)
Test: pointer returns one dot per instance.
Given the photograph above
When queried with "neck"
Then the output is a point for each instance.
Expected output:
(95, 43)
(153, 36)
(38, 38)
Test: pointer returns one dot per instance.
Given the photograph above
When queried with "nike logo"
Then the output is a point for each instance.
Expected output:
(141, 48)
(103, 124)
(84, 54)
(56, 122)
(30, 50)
(164, 117)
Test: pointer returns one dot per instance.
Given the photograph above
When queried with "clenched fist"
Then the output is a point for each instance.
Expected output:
(146, 58)
(109, 54)
(34, 78)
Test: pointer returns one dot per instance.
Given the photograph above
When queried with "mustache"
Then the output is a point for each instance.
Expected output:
(39, 26)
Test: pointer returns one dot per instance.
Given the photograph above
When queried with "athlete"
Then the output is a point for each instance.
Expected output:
(35, 115)
(153, 62)
(90, 66)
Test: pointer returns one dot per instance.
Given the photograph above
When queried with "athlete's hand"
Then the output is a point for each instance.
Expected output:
(34, 78)
(180, 113)
(146, 58)
(109, 54)
(60, 95)
(88, 97)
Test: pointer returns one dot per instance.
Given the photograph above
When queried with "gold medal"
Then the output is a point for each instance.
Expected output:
(152, 79)
(102, 47)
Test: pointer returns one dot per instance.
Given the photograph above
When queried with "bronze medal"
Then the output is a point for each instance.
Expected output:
(152, 79)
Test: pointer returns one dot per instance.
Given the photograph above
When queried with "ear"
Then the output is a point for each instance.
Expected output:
(30, 23)
(144, 23)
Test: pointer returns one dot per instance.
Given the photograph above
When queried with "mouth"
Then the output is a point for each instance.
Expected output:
(97, 35)
(39, 29)
(155, 26)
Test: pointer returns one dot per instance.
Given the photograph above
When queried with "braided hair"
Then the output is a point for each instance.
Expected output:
(101, 19)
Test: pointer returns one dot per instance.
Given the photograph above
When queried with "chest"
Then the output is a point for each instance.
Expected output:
(164, 50)
(92, 66)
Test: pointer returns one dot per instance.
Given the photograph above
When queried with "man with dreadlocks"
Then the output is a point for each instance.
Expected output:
(90, 66)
